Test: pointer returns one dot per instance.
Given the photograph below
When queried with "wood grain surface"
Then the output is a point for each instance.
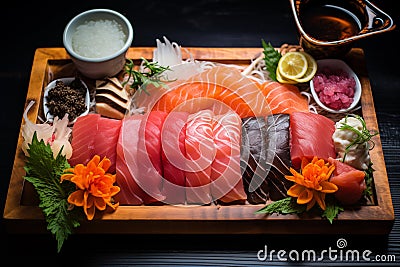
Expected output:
(21, 203)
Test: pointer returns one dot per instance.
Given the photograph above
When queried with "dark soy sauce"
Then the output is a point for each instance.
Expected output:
(329, 22)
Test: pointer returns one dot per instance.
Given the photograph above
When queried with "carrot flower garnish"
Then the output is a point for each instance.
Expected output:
(95, 187)
(312, 183)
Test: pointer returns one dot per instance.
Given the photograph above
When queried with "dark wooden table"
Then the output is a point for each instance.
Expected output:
(205, 23)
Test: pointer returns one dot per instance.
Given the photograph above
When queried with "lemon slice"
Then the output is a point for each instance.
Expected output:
(293, 65)
(311, 69)
(281, 79)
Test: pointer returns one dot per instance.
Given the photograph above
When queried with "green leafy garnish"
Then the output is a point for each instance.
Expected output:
(140, 80)
(271, 58)
(284, 206)
(289, 206)
(368, 182)
(333, 208)
(362, 136)
(44, 172)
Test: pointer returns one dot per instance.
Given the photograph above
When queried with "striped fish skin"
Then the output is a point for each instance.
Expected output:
(279, 139)
(265, 157)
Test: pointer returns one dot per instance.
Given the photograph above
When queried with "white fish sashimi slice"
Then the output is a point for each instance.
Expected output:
(56, 134)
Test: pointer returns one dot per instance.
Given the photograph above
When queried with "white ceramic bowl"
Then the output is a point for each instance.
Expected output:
(66, 81)
(337, 64)
(105, 66)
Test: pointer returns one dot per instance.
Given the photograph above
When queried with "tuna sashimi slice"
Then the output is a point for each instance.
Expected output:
(83, 138)
(147, 163)
(227, 184)
(310, 135)
(200, 151)
(284, 98)
(153, 126)
(127, 150)
(174, 157)
(105, 141)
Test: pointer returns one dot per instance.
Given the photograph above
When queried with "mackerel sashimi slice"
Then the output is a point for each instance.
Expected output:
(174, 159)
(310, 135)
(227, 183)
(130, 193)
(200, 152)
(83, 137)
(254, 158)
(278, 137)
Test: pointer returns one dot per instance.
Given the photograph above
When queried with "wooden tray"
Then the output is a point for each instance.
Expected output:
(23, 215)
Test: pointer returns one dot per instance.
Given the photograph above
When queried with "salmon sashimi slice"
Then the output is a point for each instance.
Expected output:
(240, 92)
(284, 98)
(227, 184)
(106, 139)
(200, 151)
(173, 155)
(127, 153)
(310, 135)
(350, 182)
(208, 90)
(83, 135)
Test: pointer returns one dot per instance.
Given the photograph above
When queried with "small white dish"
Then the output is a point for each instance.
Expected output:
(105, 66)
(334, 65)
(66, 81)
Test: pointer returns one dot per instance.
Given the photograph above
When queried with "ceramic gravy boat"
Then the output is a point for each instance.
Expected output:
(329, 28)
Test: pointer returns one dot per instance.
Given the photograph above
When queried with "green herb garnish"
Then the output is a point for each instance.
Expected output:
(332, 208)
(44, 172)
(362, 137)
(271, 58)
(289, 206)
(284, 206)
(368, 182)
(151, 75)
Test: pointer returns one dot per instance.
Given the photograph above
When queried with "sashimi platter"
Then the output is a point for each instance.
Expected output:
(199, 140)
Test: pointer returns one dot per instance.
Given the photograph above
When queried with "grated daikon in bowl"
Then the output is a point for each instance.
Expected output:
(98, 38)
(97, 41)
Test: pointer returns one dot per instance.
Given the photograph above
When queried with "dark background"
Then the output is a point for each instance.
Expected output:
(205, 23)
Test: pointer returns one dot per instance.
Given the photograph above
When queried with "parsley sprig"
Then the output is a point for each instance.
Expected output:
(44, 172)
(151, 74)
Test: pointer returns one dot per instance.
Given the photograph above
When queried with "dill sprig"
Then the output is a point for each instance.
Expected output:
(362, 136)
(140, 79)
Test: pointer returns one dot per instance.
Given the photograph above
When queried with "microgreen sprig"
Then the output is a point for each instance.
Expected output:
(362, 136)
(140, 79)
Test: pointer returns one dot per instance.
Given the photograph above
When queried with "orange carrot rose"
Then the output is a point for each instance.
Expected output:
(312, 183)
(95, 187)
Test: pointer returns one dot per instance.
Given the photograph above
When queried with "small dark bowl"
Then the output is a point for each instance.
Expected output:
(329, 28)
